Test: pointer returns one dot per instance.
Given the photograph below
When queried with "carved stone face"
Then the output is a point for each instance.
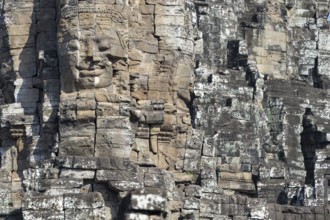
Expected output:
(90, 36)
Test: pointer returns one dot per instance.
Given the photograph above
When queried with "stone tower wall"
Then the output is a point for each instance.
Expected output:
(164, 109)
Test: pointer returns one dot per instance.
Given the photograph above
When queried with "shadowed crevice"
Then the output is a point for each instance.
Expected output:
(311, 139)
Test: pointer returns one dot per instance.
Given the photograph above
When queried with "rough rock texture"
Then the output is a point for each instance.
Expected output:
(164, 109)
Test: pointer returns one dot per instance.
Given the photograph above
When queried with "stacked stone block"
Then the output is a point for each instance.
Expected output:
(177, 109)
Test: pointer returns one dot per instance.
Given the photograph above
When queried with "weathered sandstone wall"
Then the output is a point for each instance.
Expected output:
(164, 109)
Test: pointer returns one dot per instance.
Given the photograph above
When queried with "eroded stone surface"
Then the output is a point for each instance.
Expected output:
(176, 109)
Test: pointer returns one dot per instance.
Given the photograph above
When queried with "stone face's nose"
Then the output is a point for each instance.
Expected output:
(89, 47)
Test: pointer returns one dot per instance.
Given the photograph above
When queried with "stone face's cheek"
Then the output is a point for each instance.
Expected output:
(102, 81)
(69, 73)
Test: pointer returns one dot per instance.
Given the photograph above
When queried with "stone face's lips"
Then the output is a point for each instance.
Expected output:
(92, 73)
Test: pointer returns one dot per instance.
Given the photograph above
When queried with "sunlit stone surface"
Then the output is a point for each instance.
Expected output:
(164, 109)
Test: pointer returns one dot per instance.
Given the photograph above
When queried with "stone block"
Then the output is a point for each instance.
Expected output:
(47, 14)
(86, 116)
(86, 101)
(171, 30)
(192, 154)
(25, 70)
(321, 216)
(111, 163)
(144, 201)
(167, 149)
(18, 119)
(208, 173)
(167, 3)
(21, 29)
(45, 184)
(154, 180)
(191, 203)
(147, 9)
(150, 46)
(106, 97)
(80, 162)
(136, 216)
(196, 140)
(61, 192)
(233, 168)
(27, 95)
(5, 193)
(155, 117)
(20, 42)
(43, 215)
(117, 150)
(168, 10)
(240, 218)
(69, 130)
(165, 19)
(208, 162)
(183, 177)
(208, 147)
(318, 209)
(240, 186)
(113, 142)
(83, 201)
(85, 214)
(192, 214)
(113, 122)
(207, 206)
(310, 217)
(324, 40)
(191, 164)
(115, 175)
(277, 172)
(17, 108)
(105, 109)
(208, 185)
(242, 177)
(84, 144)
(124, 185)
(46, 26)
(43, 203)
(193, 191)
(77, 173)
(76, 151)
(114, 136)
(51, 73)
(64, 161)
(323, 65)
